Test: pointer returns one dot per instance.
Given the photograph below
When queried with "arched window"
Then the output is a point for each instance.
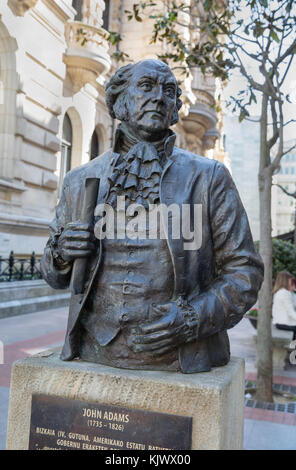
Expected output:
(94, 146)
(77, 4)
(66, 149)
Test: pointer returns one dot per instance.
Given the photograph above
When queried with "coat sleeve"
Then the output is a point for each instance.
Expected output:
(56, 273)
(237, 265)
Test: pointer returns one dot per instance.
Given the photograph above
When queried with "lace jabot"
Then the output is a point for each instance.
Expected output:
(138, 171)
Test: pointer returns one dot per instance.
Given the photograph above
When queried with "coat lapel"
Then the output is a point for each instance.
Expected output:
(170, 194)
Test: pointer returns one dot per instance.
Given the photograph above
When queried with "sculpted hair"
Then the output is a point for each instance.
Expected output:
(115, 92)
(116, 96)
(175, 116)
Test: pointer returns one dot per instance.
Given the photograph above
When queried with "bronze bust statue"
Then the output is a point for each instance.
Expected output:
(151, 302)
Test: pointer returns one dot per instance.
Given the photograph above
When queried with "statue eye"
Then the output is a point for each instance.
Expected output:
(146, 86)
(170, 91)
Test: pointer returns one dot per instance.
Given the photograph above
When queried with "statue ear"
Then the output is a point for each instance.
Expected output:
(175, 116)
(120, 108)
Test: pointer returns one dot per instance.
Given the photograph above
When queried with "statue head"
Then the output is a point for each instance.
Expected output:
(145, 96)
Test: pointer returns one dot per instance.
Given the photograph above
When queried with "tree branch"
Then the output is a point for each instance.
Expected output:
(252, 82)
(285, 191)
(271, 142)
(289, 150)
(289, 122)
(287, 70)
(280, 152)
(287, 53)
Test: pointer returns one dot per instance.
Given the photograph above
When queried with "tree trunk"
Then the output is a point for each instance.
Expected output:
(264, 339)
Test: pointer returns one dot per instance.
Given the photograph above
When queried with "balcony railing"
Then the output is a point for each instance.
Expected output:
(86, 57)
(19, 269)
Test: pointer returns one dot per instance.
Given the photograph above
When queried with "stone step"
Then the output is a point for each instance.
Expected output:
(34, 304)
(18, 290)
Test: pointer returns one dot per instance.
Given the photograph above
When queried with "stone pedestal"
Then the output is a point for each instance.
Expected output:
(214, 400)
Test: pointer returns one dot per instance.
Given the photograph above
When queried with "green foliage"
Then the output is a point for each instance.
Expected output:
(231, 32)
(274, 36)
(81, 36)
(253, 312)
(262, 31)
(283, 257)
(114, 38)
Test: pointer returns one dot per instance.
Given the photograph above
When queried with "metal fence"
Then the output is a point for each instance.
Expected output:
(19, 269)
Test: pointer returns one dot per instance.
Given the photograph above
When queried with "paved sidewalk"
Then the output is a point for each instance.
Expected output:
(23, 336)
(4, 399)
(263, 435)
(31, 333)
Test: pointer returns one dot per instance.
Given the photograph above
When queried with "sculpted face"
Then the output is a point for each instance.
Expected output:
(151, 99)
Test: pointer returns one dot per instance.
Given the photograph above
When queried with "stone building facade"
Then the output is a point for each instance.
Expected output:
(242, 144)
(284, 206)
(54, 62)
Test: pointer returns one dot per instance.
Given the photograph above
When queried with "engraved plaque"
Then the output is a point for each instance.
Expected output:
(59, 423)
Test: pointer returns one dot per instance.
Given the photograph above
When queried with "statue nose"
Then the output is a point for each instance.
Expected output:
(158, 94)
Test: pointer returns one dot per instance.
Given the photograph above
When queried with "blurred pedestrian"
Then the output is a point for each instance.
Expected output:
(284, 302)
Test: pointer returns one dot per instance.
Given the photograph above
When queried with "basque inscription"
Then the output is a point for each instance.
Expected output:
(59, 423)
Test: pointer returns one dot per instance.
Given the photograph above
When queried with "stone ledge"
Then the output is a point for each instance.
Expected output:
(214, 399)
(20, 7)
(19, 220)
(34, 304)
(10, 186)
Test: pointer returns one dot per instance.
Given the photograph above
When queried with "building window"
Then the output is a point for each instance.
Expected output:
(94, 146)
(66, 149)
(77, 4)
(106, 15)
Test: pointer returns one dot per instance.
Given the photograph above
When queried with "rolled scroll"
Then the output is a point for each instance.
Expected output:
(87, 216)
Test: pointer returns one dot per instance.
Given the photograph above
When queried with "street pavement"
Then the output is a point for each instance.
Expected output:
(29, 334)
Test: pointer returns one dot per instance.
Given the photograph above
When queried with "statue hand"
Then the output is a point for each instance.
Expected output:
(177, 325)
(76, 241)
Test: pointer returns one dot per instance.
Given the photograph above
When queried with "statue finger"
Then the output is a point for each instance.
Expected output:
(161, 308)
(73, 254)
(79, 245)
(160, 324)
(77, 226)
(153, 337)
(154, 346)
(79, 235)
(163, 350)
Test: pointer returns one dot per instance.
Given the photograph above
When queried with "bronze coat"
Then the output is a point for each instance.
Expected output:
(220, 280)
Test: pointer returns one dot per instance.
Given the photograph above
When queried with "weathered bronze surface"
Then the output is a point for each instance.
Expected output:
(61, 424)
(151, 303)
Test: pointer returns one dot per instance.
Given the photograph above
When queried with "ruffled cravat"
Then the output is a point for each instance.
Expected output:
(137, 173)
